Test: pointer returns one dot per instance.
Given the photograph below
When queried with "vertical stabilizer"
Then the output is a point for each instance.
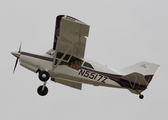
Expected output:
(144, 68)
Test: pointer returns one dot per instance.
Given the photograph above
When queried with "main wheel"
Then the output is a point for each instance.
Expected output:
(141, 96)
(42, 92)
(44, 76)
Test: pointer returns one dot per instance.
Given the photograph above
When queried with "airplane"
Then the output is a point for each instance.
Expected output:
(65, 63)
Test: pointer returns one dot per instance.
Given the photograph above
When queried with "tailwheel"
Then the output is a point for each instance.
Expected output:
(141, 96)
(42, 90)
(44, 76)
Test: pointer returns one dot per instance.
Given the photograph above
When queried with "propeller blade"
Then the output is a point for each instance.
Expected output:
(15, 64)
(17, 54)
(20, 47)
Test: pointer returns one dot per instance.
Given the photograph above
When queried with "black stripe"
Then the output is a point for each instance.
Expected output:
(37, 56)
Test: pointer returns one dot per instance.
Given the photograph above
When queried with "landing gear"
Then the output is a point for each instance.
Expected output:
(42, 90)
(141, 96)
(44, 76)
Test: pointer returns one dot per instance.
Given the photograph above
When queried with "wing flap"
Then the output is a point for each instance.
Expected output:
(69, 83)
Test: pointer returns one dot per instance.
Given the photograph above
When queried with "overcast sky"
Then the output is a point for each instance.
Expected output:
(122, 33)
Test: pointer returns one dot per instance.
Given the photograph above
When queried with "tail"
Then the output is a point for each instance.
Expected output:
(138, 76)
(146, 69)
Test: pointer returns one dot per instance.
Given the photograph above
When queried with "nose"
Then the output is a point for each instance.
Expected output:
(16, 54)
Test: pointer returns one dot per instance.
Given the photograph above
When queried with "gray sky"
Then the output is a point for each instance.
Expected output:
(122, 33)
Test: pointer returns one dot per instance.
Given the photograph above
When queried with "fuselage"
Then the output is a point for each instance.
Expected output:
(71, 68)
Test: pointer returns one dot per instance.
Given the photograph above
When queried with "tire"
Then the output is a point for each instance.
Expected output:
(44, 76)
(141, 96)
(44, 92)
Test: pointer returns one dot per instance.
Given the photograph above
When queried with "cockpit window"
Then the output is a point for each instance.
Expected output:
(86, 64)
(59, 55)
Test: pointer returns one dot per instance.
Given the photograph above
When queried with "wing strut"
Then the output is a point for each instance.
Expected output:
(55, 54)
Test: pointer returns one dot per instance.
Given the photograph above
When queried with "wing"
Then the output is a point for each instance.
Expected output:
(70, 36)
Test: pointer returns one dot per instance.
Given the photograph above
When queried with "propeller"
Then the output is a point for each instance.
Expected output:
(17, 55)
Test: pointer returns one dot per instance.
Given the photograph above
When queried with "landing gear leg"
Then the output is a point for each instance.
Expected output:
(43, 76)
(42, 90)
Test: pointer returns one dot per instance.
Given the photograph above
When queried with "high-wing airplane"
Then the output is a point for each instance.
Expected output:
(65, 63)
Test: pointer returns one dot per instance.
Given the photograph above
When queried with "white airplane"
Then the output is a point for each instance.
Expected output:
(65, 63)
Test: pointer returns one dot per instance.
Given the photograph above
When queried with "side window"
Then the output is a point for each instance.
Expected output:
(86, 64)
(69, 61)
(75, 63)
(65, 59)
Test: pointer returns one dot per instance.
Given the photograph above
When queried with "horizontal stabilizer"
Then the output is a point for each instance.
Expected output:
(135, 78)
(69, 83)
